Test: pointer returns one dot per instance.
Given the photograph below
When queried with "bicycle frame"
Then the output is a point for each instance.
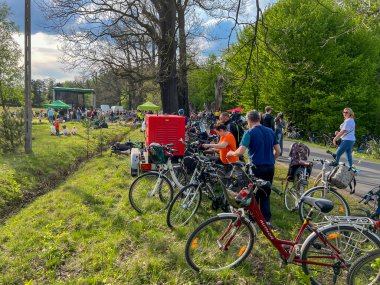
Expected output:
(280, 244)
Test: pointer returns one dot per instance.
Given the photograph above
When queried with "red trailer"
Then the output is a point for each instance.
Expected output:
(163, 129)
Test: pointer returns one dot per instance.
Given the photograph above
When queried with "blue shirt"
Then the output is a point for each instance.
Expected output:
(260, 141)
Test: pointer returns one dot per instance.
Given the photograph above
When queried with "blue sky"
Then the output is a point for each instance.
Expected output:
(45, 53)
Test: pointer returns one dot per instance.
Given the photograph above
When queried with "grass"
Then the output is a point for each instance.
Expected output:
(86, 232)
(24, 176)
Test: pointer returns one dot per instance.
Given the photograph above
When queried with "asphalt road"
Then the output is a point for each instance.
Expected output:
(367, 178)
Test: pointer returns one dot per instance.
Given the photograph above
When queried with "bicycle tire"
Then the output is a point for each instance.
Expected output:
(349, 240)
(184, 205)
(140, 193)
(203, 252)
(341, 207)
(365, 270)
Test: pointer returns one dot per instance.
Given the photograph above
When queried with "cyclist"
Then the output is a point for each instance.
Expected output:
(226, 144)
(263, 149)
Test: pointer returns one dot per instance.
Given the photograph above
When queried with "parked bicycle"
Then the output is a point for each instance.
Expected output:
(327, 191)
(186, 203)
(298, 175)
(153, 190)
(226, 240)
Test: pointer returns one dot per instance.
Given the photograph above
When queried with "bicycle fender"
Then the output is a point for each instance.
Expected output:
(251, 224)
(313, 234)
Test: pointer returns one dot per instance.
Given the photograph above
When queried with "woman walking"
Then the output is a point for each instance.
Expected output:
(347, 135)
(280, 126)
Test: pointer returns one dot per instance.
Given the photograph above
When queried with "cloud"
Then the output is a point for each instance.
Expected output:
(45, 57)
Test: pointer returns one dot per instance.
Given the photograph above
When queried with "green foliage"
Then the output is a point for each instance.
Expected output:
(310, 61)
(11, 130)
(201, 82)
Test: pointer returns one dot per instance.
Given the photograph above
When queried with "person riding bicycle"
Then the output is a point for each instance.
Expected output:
(226, 144)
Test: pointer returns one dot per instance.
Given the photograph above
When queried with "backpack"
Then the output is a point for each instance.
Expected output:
(156, 154)
(298, 152)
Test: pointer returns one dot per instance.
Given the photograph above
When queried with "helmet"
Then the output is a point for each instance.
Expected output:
(181, 112)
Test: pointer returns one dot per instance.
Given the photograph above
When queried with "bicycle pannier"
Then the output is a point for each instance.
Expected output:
(341, 176)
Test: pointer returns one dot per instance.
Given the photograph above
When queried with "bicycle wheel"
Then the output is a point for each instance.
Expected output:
(365, 270)
(184, 205)
(150, 192)
(181, 175)
(219, 243)
(292, 191)
(341, 207)
(351, 242)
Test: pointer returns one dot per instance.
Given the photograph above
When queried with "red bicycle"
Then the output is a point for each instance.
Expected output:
(226, 240)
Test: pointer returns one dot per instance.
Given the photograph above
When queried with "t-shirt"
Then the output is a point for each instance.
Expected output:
(349, 126)
(230, 139)
(260, 141)
(268, 121)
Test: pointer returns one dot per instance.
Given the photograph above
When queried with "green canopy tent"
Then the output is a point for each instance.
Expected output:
(58, 104)
(148, 106)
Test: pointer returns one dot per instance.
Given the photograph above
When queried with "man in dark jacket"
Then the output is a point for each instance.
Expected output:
(267, 120)
(231, 127)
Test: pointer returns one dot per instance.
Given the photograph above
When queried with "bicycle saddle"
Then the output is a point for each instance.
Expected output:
(305, 163)
(322, 205)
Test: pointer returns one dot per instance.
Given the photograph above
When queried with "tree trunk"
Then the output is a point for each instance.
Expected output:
(28, 81)
(167, 56)
(218, 93)
(183, 90)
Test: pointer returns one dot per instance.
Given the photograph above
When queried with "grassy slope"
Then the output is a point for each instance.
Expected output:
(23, 176)
(85, 232)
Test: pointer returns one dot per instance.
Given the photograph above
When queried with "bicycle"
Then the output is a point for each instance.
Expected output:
(157, 184)
(341, 207)
(365, 270)
(186, 203)
(226, 240)
(296, 185)
(372, 199)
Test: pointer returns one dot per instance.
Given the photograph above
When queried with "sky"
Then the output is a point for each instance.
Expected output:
(45, 53)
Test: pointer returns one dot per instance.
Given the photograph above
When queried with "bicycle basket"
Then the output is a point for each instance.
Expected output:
(156, 154)
(341, 176)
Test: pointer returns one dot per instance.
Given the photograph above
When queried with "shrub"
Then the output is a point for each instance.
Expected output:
(11, 130)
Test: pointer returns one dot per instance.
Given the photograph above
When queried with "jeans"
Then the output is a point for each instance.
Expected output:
(280, 137)
(345, 147)
(265, 172)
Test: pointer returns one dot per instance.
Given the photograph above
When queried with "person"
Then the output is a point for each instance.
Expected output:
(263, 149)
(181, 112)
(79, 114)
(347, 135)
(66, 130)
(56, 125)
(231, 127)
(50, 114)
(74, 131)
(226, 143)
(267, 119)
(280, 126)
(52, 130)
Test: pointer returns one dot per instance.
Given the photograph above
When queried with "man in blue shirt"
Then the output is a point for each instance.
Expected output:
(263, 149)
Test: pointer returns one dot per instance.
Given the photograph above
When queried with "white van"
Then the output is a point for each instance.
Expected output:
(117, 108)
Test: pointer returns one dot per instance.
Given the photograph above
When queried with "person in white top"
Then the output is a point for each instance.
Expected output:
(347, 135)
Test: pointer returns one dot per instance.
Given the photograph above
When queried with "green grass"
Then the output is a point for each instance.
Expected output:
(24, 176)
(86, 232)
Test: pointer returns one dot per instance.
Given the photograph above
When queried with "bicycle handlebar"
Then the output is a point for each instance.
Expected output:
(277, 191)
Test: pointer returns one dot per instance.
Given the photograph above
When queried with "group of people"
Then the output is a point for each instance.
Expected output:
(55, 129)
(264, 142)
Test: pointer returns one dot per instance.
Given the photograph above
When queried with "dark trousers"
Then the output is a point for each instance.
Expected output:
(265, 172)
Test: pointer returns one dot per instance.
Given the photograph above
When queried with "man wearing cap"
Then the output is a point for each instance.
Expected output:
(263, 149)
(267, 119)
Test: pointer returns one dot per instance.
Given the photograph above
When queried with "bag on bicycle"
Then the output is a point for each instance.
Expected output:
(156, 154)
(341, 176)
(298, 152)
